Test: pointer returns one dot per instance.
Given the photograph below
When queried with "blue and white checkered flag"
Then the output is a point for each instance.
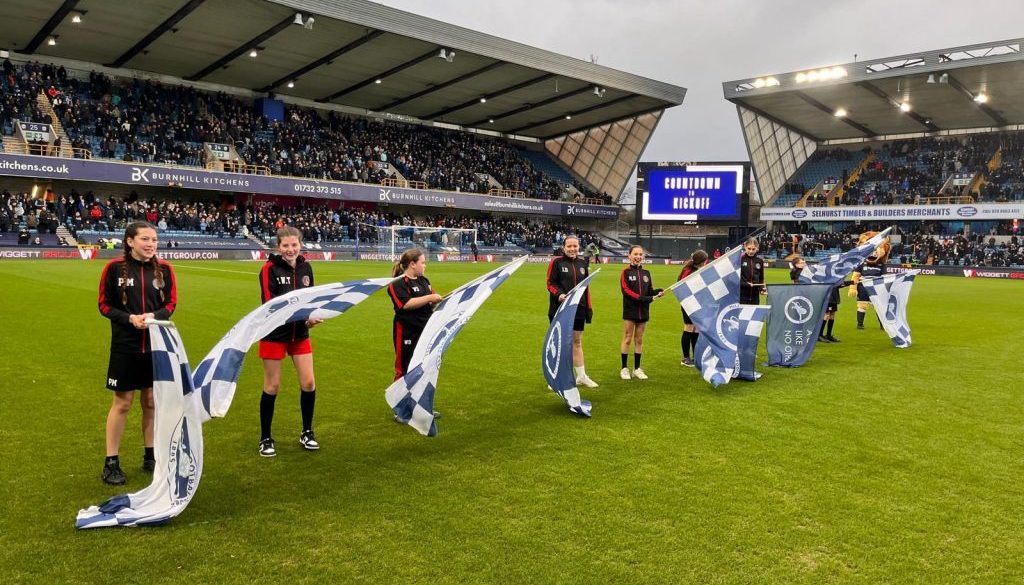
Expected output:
(889, 296)
(710, 296)
(556, 356)
(836, 267)
(411, 397)
(730, 351)
(217, 374)
(177, 442)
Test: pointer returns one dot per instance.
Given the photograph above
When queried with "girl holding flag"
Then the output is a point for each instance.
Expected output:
(414, 301)
(564, 272)
(284, 272)
(134, 288)
(690, 334)
(638, 293)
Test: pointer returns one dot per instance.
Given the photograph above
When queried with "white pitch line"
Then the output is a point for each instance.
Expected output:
(179, 266)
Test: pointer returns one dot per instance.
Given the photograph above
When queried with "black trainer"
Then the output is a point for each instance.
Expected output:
(267, 448)
(308, 441)
(823, 339)
(113, 475)
(149, 465)
(832, 339)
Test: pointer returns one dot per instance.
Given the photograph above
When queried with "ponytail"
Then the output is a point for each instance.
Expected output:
(408, 257)
(697, 258)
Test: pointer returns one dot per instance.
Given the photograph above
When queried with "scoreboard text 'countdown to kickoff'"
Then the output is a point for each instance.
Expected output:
(692, 193)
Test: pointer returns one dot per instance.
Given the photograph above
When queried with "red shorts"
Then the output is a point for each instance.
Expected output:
(276, 350)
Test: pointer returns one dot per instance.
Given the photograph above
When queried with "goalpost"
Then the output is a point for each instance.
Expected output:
(394, 239)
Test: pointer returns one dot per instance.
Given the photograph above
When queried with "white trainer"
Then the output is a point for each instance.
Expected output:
(639, 374)
(624, 374)
(586, 381)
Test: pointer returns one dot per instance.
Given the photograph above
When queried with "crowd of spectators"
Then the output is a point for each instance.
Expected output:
(959, 250)
(78, 211)
(322, 224)
(909, 172)
(925, 244)
(1006, 183)
(147, 121)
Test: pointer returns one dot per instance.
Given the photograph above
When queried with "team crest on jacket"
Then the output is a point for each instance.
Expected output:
(647, 278)
(305, 280)
(582, 270)
(156, 284)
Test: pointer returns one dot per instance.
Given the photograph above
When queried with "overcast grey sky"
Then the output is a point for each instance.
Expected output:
(700, 44)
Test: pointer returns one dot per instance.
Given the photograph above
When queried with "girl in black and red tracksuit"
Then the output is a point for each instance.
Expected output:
(637, 294)
(284, 272)
(690, 334)
(751, 274)
(564, 273)
(414, 301)
(134, 288)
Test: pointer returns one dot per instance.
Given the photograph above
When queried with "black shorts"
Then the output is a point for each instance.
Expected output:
(577, 324)
(832, 308)
(130, 371)
(686, 318)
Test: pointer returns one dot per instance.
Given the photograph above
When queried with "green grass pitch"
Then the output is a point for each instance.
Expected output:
(868, 465)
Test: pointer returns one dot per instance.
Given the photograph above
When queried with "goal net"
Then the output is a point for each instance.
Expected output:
(394, 239)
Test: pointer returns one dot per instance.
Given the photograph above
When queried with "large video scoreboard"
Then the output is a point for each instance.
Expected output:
(694, 193)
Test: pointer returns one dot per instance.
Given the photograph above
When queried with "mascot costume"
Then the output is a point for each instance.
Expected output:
(872, 267)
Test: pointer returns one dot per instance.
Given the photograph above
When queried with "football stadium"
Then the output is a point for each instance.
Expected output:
(361, 273)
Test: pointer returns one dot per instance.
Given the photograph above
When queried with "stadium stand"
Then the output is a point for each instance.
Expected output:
(212, 225)
(918, 245)
(145, 121)
(979, 168)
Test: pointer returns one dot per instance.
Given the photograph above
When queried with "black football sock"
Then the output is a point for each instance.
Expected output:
(306, 401)
(266, 414)
(822, 332)
(860, 318)
(636, 361)
(831, 323)
(686, 344)
(625, 360)
(148, 454)
(693, 342)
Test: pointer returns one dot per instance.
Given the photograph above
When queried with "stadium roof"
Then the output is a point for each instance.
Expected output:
(941, 89)
(489, 83)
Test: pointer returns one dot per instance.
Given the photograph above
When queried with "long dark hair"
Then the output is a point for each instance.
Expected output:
(408, 257)
(158, 272)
